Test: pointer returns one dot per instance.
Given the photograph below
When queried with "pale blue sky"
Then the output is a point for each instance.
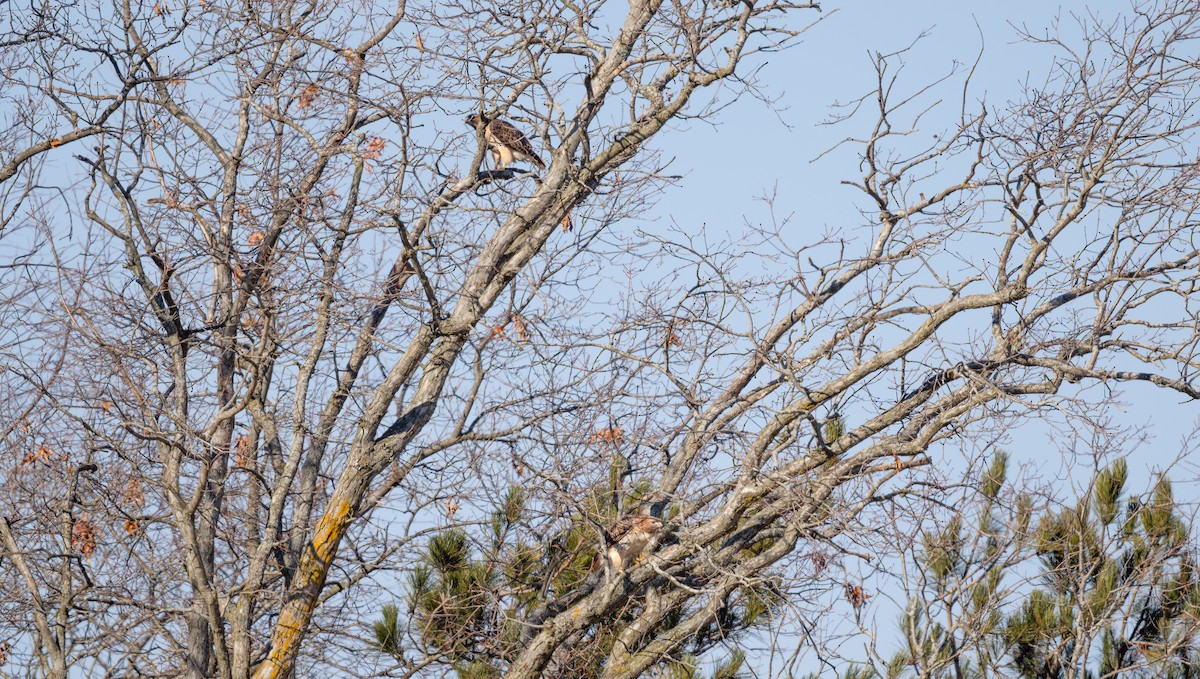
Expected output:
(833, 64)
(754, 150)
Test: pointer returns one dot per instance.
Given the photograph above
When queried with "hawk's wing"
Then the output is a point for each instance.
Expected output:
(637, 525)
(504, 133)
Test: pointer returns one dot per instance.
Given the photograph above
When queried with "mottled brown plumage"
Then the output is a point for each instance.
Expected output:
(506, 142)
(627, 537)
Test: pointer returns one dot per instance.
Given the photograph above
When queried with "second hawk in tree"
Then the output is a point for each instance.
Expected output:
(625, 539)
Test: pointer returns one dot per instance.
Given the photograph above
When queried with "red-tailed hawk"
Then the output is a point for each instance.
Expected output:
(626, 539)
(506, 142)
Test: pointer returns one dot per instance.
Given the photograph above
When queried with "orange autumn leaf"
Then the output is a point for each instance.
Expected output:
(255, 238)
(56, 142)
(566, 222)
(132, 526)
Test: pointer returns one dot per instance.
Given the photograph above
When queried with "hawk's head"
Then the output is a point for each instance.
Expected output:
(472, 120)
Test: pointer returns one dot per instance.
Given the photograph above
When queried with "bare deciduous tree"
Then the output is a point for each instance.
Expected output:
(275, 321)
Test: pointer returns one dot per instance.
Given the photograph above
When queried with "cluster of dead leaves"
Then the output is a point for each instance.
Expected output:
(308, 97)
(241, 452)
(610, 435)
(374, 150)
(39, 454)
(171, 199)
(671, 338)
(133, 495)
(820, 561)
(84, 535)
(520, 327)
(253, 240)
(252, 322)
(856, 596)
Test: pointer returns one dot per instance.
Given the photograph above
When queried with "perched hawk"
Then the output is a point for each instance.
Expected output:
(506, 142)
(626, 539)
